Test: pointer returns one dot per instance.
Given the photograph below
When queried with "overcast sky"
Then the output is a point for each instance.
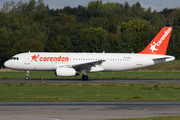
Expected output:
(158, 5)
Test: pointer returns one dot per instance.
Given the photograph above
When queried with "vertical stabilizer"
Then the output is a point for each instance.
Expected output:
(160, 42)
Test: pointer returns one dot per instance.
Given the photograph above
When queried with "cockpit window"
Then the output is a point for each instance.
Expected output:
(14, 58)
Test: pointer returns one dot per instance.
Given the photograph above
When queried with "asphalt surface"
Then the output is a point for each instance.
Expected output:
(91, 81)
(85, 110)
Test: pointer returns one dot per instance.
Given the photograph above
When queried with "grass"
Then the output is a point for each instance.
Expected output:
(153, 118)
(103, 75)
(88, 92)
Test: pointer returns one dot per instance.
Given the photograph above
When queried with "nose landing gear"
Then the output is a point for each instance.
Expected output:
(27, 75)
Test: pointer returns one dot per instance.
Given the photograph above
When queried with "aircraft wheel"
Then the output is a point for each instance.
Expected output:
(27, 78)
(85, 77)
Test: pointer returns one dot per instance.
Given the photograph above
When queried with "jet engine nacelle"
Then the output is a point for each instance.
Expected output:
(65, 72)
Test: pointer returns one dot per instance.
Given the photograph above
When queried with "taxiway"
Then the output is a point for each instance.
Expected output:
(86, 110)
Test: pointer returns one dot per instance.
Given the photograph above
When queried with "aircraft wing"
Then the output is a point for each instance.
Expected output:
(87, 65)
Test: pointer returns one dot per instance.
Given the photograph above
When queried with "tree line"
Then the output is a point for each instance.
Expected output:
(97, 27)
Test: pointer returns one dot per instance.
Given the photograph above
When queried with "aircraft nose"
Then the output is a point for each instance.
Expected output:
(7, 64)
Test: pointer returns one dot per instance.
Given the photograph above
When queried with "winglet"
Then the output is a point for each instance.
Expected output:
(160, 42)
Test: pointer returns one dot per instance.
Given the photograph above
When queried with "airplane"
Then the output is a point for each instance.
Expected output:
(72, 64)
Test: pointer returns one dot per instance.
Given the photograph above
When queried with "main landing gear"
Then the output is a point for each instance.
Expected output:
(84, 77)
(27, 75)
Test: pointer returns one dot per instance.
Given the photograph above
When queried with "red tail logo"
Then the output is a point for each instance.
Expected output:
(160, 42)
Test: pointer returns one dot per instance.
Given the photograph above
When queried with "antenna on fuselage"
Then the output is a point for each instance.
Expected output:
(29, 51)
(103, 51)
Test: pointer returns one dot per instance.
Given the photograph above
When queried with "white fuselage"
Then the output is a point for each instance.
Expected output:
(42, 61)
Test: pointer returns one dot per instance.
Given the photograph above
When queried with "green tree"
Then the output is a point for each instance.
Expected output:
(63, 19)
(19, 7)
(94, 39)
(41, 17)
(27, 44)
(31, 6)
(136, 24)
(55, 45)
(4, 45)
(40, 7)
(126, 5)
(95, 5)
(98, 5)
(110, 27)
(93, 31)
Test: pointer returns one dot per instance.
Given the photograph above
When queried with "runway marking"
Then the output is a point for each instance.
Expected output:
(43, 111)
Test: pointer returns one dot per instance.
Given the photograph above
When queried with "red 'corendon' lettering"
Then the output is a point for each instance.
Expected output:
(41, 59)
(164, 36)
(59, 59)
(44, 59)
(62, 59)
(55, 59)
(51, 59)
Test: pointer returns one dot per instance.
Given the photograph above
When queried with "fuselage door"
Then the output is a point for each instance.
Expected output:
(27, 59)
(139, 60)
